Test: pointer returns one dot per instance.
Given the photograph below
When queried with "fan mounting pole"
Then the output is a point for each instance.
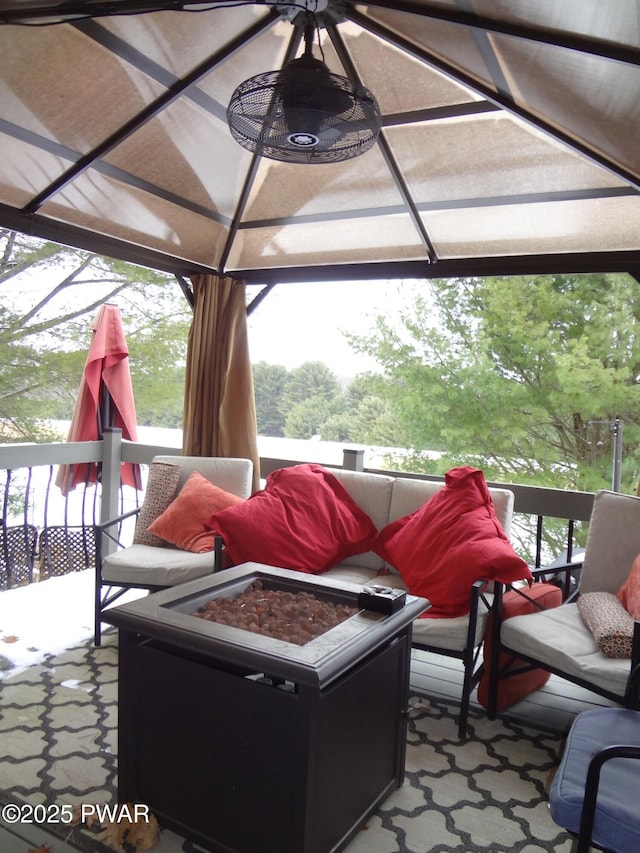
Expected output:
(292, 9)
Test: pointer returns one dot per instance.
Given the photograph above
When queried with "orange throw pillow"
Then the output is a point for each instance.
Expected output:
(182, 523)
(629, 592)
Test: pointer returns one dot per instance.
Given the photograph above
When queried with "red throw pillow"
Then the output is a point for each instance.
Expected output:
(629, 592)
(303, 519)
(533, 599)
(182, 522)
(450, 542)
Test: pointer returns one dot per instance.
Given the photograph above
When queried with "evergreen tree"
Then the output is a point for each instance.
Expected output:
(270, 384)
(311, 379)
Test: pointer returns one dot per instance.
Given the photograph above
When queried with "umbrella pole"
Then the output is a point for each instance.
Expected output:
(105, 410)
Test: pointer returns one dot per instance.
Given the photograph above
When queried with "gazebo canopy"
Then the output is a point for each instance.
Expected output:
(510, 137)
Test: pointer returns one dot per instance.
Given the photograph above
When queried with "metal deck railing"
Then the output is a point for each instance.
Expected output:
(44, 533)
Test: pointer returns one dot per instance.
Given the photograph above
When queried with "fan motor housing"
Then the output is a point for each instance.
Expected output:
(304, 114)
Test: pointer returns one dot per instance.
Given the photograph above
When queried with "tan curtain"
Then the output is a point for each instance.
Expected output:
(219, 402)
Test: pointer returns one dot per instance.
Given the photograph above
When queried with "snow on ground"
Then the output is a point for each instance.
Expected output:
(45, 618)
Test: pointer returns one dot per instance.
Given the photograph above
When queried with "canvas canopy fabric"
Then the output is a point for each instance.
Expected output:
(508, 145)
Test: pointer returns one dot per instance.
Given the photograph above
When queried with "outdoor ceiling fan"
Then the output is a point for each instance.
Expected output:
(304, 113)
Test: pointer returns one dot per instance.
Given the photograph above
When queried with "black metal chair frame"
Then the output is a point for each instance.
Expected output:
(526, 663)
(107, 593)
(470, 656)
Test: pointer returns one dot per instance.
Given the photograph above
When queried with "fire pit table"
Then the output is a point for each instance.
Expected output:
(245, 742)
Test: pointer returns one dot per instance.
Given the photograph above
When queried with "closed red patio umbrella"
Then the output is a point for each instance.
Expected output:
(105, 399)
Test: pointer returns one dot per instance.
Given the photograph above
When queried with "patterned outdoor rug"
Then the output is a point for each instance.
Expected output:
(58, 746)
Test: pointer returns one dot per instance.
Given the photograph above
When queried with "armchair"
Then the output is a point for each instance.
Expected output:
(160, 565)
(596, 789)
(558, 640)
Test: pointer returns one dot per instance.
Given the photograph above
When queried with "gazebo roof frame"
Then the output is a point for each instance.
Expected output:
(508, 142)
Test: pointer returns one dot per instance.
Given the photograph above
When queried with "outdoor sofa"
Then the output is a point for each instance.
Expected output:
(465, 560)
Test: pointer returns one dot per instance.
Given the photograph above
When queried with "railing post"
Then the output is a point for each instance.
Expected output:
(111, 460)
(617, 428)
(353, 460)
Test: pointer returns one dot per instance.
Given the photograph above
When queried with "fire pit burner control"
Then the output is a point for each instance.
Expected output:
(381, 599)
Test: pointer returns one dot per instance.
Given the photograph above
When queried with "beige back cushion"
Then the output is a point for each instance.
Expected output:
(385, 498)
(231, 474)
(372, 493)
(409, 495)
(613, 542)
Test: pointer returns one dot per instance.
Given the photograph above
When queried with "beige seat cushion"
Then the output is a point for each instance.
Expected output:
(450, 633)
(559, 638)
(440, 633)
(349, 573)
(147, 565)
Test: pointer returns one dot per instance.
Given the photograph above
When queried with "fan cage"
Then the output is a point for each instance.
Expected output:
(260, 123)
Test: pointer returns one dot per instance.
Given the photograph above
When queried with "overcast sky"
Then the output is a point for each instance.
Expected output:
(304, 322)
(296, 323)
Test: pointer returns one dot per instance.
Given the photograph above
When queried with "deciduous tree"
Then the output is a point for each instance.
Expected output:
(523, 376)
(48, 295)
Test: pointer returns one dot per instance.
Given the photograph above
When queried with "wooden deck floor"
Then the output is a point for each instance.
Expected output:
(553, 707)
(71, 598)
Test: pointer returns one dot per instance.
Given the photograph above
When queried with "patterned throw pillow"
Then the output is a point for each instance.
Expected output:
(162, 483)
(608, 621)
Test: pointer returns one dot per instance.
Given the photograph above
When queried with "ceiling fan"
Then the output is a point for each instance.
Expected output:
(304, 113)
